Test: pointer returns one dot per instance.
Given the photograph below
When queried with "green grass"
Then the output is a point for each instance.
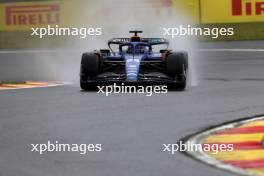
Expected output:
(23, 39)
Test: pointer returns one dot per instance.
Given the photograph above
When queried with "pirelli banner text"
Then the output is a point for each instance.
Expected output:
(24, 15)
(232, 11)
(20, 16)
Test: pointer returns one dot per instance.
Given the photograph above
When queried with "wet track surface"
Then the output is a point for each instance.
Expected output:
(131, 128)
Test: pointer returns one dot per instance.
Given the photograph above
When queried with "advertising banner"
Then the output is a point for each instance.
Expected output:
(232, 11)
(17, 16)
(22, 16)
(190, 9)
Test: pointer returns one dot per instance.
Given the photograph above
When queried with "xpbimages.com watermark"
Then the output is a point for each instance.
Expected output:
(126, 89)
(188, 30)
(172, 32)
(81, 33)
(56, 146)
(190, 147)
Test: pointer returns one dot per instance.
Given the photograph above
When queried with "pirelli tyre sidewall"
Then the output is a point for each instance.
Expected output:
(176, 66)
(90, 64)
(90, 67)
(176, 63)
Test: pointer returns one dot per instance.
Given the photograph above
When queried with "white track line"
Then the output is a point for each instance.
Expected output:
(200, 155)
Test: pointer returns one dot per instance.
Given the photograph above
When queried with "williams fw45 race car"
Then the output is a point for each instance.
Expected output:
(134, 62)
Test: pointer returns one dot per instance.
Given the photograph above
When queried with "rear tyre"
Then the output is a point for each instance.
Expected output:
(90, 67)
(177, 65)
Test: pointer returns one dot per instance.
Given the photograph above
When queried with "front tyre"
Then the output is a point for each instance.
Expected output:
(87, 86)
(90, 67)
(176, 67)
(180, 86)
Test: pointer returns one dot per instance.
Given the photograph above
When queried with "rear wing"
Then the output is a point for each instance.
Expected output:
(156, 41)
(118, 41)
(151, 41)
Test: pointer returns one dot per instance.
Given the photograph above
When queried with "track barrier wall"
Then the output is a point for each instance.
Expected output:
(16, 18)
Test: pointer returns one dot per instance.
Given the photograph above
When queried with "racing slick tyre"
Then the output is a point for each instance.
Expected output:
(90, 67)
(177, 65)
(177, 86)
(90, 64)
(87, 86)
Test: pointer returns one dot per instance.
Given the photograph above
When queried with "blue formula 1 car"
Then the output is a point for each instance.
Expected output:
(134, 62)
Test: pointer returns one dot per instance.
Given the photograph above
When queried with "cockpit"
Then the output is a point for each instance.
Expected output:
(135, 48)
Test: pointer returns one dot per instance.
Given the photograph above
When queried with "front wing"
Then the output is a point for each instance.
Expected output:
(150, 78)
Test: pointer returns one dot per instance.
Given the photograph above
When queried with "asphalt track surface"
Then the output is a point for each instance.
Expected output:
(131, 128)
